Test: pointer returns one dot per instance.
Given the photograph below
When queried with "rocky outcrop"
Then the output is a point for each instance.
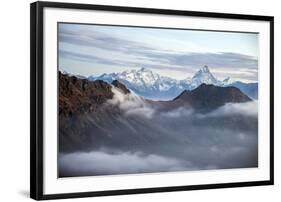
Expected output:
(121, 86)
(81, 95)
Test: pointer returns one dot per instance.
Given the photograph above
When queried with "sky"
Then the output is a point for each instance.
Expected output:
(95, 49)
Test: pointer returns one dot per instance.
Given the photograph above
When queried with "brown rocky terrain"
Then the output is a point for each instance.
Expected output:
(83, 96)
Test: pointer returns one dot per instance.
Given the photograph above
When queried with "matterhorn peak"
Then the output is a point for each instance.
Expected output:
(205, 69)
(203, 76)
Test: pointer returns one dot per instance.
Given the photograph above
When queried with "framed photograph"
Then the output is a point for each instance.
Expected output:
(131, 100)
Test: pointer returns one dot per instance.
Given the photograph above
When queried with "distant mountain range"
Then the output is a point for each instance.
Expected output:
(81, 95)
(151, 85)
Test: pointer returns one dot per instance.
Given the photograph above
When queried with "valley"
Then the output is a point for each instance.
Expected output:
(102, 123)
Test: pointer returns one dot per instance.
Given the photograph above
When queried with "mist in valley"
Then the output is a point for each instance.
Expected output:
(129, 135)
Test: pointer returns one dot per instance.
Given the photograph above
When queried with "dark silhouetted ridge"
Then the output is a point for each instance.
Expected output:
(208, 97)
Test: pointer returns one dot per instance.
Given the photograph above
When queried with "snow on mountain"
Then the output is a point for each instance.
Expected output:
(203, 76)
(144, 82)
(105, 77)
(149, 84)
(227, 81)
(142, 77)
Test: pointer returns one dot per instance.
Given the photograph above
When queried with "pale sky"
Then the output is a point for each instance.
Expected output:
(95, 49)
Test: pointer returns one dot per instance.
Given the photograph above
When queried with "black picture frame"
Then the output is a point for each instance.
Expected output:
(36, 98)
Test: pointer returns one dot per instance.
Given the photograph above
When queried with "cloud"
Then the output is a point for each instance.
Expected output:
(87, 58)
(131, 104)
(163, 63)
(184, 143)
(102, 40)
(215, 60)
(137, 54)
(229, 109)
(232, 109)
(100, 162)
(178, 112)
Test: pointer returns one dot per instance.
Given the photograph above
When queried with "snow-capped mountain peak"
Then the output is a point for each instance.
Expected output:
(142, 76)
(205, 69)
(203, 72)
(203, 76)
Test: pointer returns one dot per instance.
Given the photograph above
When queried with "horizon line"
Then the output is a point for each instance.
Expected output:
(140, 68)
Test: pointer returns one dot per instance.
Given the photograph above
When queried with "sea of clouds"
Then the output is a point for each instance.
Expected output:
(179, 139)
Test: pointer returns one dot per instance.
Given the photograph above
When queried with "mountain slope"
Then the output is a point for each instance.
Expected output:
(250, 89)
(209, 97)
(83, 109)
(83, 96)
